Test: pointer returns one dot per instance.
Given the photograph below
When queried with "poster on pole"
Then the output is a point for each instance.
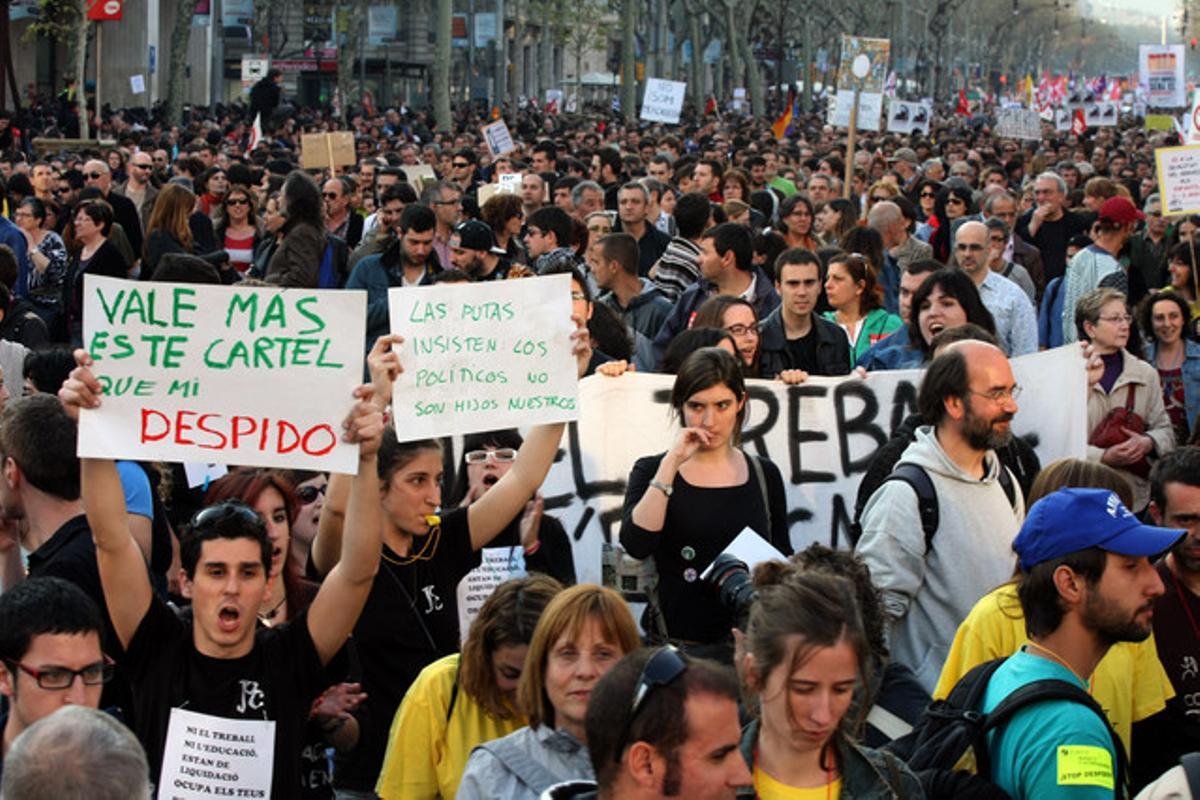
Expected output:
(1179, 179)
(863, 68)
(482, 356)
(1161, 77)
(257, 376)
(663, 100)
(870, 110)
(1018, 123)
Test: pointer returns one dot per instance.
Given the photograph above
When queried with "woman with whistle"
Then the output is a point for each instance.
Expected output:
(411, 616)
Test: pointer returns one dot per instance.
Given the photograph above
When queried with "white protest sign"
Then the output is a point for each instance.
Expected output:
(1179, 179)
(206, 756)
(1062, 120)
(750, 548)
(499, 140)
(1018, 123)
(511, 182)
(481, 356)
(900, 114)
(870, 110)
(137, 84)
(419, 176)
(1099, 115)
(663, 100)
(225, 374)
(497, 565)
(1161, 75)
(820, 433)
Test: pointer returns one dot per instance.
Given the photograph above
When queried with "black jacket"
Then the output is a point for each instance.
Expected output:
(833, 348)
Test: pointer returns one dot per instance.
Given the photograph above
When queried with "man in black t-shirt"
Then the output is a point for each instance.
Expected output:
(220, 704)
(1049, 226)
(794, 341)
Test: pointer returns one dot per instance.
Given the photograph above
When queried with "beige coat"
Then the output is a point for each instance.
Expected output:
(1148, 404)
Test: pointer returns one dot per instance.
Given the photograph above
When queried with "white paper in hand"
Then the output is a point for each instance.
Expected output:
(751, 548)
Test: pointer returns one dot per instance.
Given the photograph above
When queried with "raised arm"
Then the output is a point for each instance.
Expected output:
(343, 593)
(123, 574)
(492, 513)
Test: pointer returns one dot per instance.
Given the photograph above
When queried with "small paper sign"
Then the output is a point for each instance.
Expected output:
(482, 356)
(499, 140)
(663, 100)
(1179, 179)
(206, 756)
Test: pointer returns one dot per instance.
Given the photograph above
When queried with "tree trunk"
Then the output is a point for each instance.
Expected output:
(441, 65)
(545, 53)
(733, 39)
(181, 31)
(697, 65)
(347, 51)
(628, 62)
(516, 86)
(78, 65)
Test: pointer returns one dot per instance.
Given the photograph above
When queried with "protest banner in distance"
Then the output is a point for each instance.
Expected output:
(663, 100)
(482, 356)
(1179, 178)
(222, 374)
(1161, 78)
(1018, 123)
(820, 433)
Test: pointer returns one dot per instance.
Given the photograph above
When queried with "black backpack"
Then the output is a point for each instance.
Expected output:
(952, 728)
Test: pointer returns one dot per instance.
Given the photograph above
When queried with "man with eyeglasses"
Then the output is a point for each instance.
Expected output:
(139, 187)
(462, 171)
(340, 219)
(663, 724)
(930, 579)
(445, 199)
(1096, 265)
(50, 654)
(998, 236)
(1048, 226)
(1012, 310)
(1003, 206)
(97, 174)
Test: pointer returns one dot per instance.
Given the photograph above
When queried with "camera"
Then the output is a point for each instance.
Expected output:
(731, 578)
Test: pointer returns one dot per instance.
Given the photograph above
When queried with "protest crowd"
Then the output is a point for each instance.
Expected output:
(293, 633)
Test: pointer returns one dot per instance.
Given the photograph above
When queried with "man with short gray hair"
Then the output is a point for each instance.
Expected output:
(1048, 226)
(587, 196)
(1148, 247)
(76, 752)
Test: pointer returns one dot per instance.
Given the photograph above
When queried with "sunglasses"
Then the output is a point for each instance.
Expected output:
(141, 166)
(237, 201)
(930, 195)
(93, 175)
(662, 669)
(503, 455)
(331, 195)
(309, 494)
(460, 164)
(224, 512)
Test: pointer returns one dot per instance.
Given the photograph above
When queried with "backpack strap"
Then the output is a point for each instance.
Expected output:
(454, 690)
(1006, 483)
(528, 771)
(759, 476)
(1042, 691)
(927, 501)
(1191, 770)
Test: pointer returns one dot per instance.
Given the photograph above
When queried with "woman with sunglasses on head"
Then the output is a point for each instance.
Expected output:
(465, 700)
(857, 302)
(487, 457)
(238, 228)
(582, 634)
(722, 491)
(310, 499)
(411, 616)
(805, 656)
(952, 203)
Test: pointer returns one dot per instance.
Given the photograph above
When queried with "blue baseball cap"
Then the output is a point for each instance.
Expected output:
(1076, 519)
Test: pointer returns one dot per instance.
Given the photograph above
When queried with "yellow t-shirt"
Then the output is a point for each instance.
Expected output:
(767, 788)
(1129, 682)
(425, 757)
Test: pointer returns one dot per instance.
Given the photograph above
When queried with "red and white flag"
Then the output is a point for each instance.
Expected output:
(255, 132)
(1078, 126)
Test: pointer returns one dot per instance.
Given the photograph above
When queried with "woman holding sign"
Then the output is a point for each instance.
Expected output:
(722, 491)
(411, 618)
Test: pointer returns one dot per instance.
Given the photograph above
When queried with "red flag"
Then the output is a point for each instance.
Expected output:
(711, 106)
(963, 107)
(1078, 126)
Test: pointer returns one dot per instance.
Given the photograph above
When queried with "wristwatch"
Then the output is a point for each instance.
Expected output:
(662, 487)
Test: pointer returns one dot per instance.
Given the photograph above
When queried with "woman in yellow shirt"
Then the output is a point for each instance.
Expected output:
(466, 699)
(1129, 683)
(806, 652)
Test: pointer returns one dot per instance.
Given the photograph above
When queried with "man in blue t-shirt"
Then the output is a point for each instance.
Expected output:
(1086, 583)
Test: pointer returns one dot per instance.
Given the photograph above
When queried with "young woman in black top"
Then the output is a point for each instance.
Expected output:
(686, 505)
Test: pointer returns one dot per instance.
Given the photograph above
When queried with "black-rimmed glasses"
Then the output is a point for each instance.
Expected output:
(59, 678)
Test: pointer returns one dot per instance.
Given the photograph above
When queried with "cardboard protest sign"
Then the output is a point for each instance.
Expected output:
(821, 434)
(481, 356)
(663, 100)
(222, 374)
(499, 140)
(1179, 179)
(327, 150)
(419, 176)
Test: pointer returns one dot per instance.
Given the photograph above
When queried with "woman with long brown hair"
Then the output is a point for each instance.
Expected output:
(852, 289)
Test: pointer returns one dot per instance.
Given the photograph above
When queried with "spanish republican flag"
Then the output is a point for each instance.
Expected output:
(785, 119)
